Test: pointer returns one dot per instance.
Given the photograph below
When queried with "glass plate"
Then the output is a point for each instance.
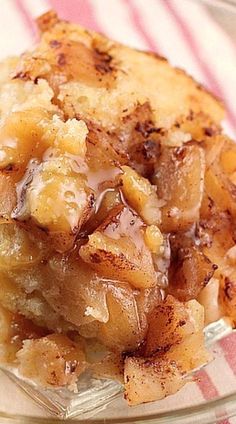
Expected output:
(101, 401)
(102, 398)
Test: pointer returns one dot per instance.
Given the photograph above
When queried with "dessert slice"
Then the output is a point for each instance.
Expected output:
(117, 207)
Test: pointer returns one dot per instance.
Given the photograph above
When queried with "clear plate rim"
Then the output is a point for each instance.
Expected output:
(173, 416)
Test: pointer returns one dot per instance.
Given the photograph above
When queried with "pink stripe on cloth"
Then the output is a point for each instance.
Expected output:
(206, 385)
(136, 20)
(77, 11)
(183, 27)
(228, 345)
(26, 17)
(208, 390)
(214, 85)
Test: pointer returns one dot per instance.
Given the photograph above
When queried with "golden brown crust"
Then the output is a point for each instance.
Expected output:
(47, 21)
(126, 77)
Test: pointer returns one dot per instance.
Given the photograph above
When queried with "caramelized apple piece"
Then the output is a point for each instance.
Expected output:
(213, 147)
(220, 189)
(154, 239)
(220, 175)
(217, 237)
(109, 199)
(189, 273)
(27, 134)
(53, 360)
(228, 160)
(21, 138)
(169, 323)
(7, 349)
(141, 195)
(147, 300)
(180, 182)
(56, 201)
(24, 106)
(117, 250)
(66, 278)
(209, 299)
(191, 353)
(179, 348)
(123, 300)
(227, 294)
(150, 379)
(226, 155)
(6, 321)
(101, 152)
(7, 195)
(125, 333)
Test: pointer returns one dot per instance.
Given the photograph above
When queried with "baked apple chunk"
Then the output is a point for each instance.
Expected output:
(118, 247)
(117, 215)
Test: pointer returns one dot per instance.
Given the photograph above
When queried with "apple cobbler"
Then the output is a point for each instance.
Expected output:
(118, 200)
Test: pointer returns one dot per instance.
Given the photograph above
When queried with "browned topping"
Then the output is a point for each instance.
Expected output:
(61, 59)
(47, 21)
(209, 132)
(183, 283)
(103, 61)
(55, 44)
(228, 288)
